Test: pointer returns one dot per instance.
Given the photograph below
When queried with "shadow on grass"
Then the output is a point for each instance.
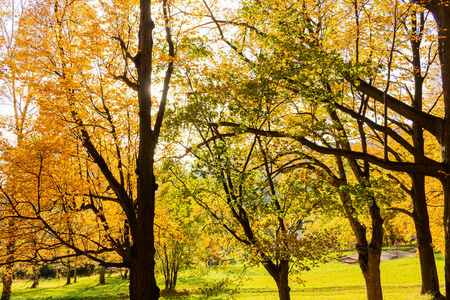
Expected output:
(86, 288)
(439, 256)
(192, 280)
(175, 295)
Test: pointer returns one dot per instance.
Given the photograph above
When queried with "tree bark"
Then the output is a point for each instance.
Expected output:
(8, 276)
(35, 277)
(283, 281)
(430, 281)
(68, 282)
(371, 275)
(142, 278)
(7, 282)
(174, 280)
(75, 275)
(369, 255)
(441, 13)
(170, 264)
(166, 269)
(142, 271)
(102, 275)
(280, 273)
(446, 187)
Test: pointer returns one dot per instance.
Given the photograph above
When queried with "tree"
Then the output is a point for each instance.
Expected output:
(178, 222)
(239, 181)
(102, 274)
(305, 88)
(68, 57)
(317, 68)
(20, 97)
(414, 112)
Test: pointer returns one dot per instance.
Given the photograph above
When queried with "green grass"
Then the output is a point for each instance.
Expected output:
(407, 247)
(334, 280)
(85, 288)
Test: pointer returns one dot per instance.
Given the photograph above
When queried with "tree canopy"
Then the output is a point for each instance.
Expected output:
(130, 118)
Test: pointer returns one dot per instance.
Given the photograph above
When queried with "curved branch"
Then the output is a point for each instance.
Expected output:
(433, 124)
(134, 86)
(431, 168)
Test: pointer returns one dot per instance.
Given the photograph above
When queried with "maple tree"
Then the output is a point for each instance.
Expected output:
(313, 61)
(18, 96)
(296, 91)
(89, 80)
(413, 28)
(418, 34)
(421, 120)
(355, 198)
(239, 180)
(309, 50)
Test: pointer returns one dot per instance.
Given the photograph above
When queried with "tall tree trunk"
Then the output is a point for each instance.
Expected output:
(7, 282)
(142, 277)
(75, 275)
(166, 269)
(102, 274)
(68, 282)
(430, 281)
(369, 255)
(441, 12)
(8, 276)
(280, 273)
(371, 273)
(175, 268)
(35, 277)
(446, 187)
(170, 264)
(142, 272)
(444, 27)
(283, 282)
(174, 280)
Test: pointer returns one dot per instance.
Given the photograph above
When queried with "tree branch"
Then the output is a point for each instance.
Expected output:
(432, 168)
(433, 124)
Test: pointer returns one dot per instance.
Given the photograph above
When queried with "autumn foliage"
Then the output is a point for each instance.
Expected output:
(130, 126)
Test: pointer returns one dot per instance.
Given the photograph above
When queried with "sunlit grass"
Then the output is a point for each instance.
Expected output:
(85, 288)
(333, 280)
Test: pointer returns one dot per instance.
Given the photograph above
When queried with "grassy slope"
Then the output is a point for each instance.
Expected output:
(334, 280)
(400, 280)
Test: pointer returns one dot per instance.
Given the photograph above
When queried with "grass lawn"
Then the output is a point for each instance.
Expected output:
(334, 280)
